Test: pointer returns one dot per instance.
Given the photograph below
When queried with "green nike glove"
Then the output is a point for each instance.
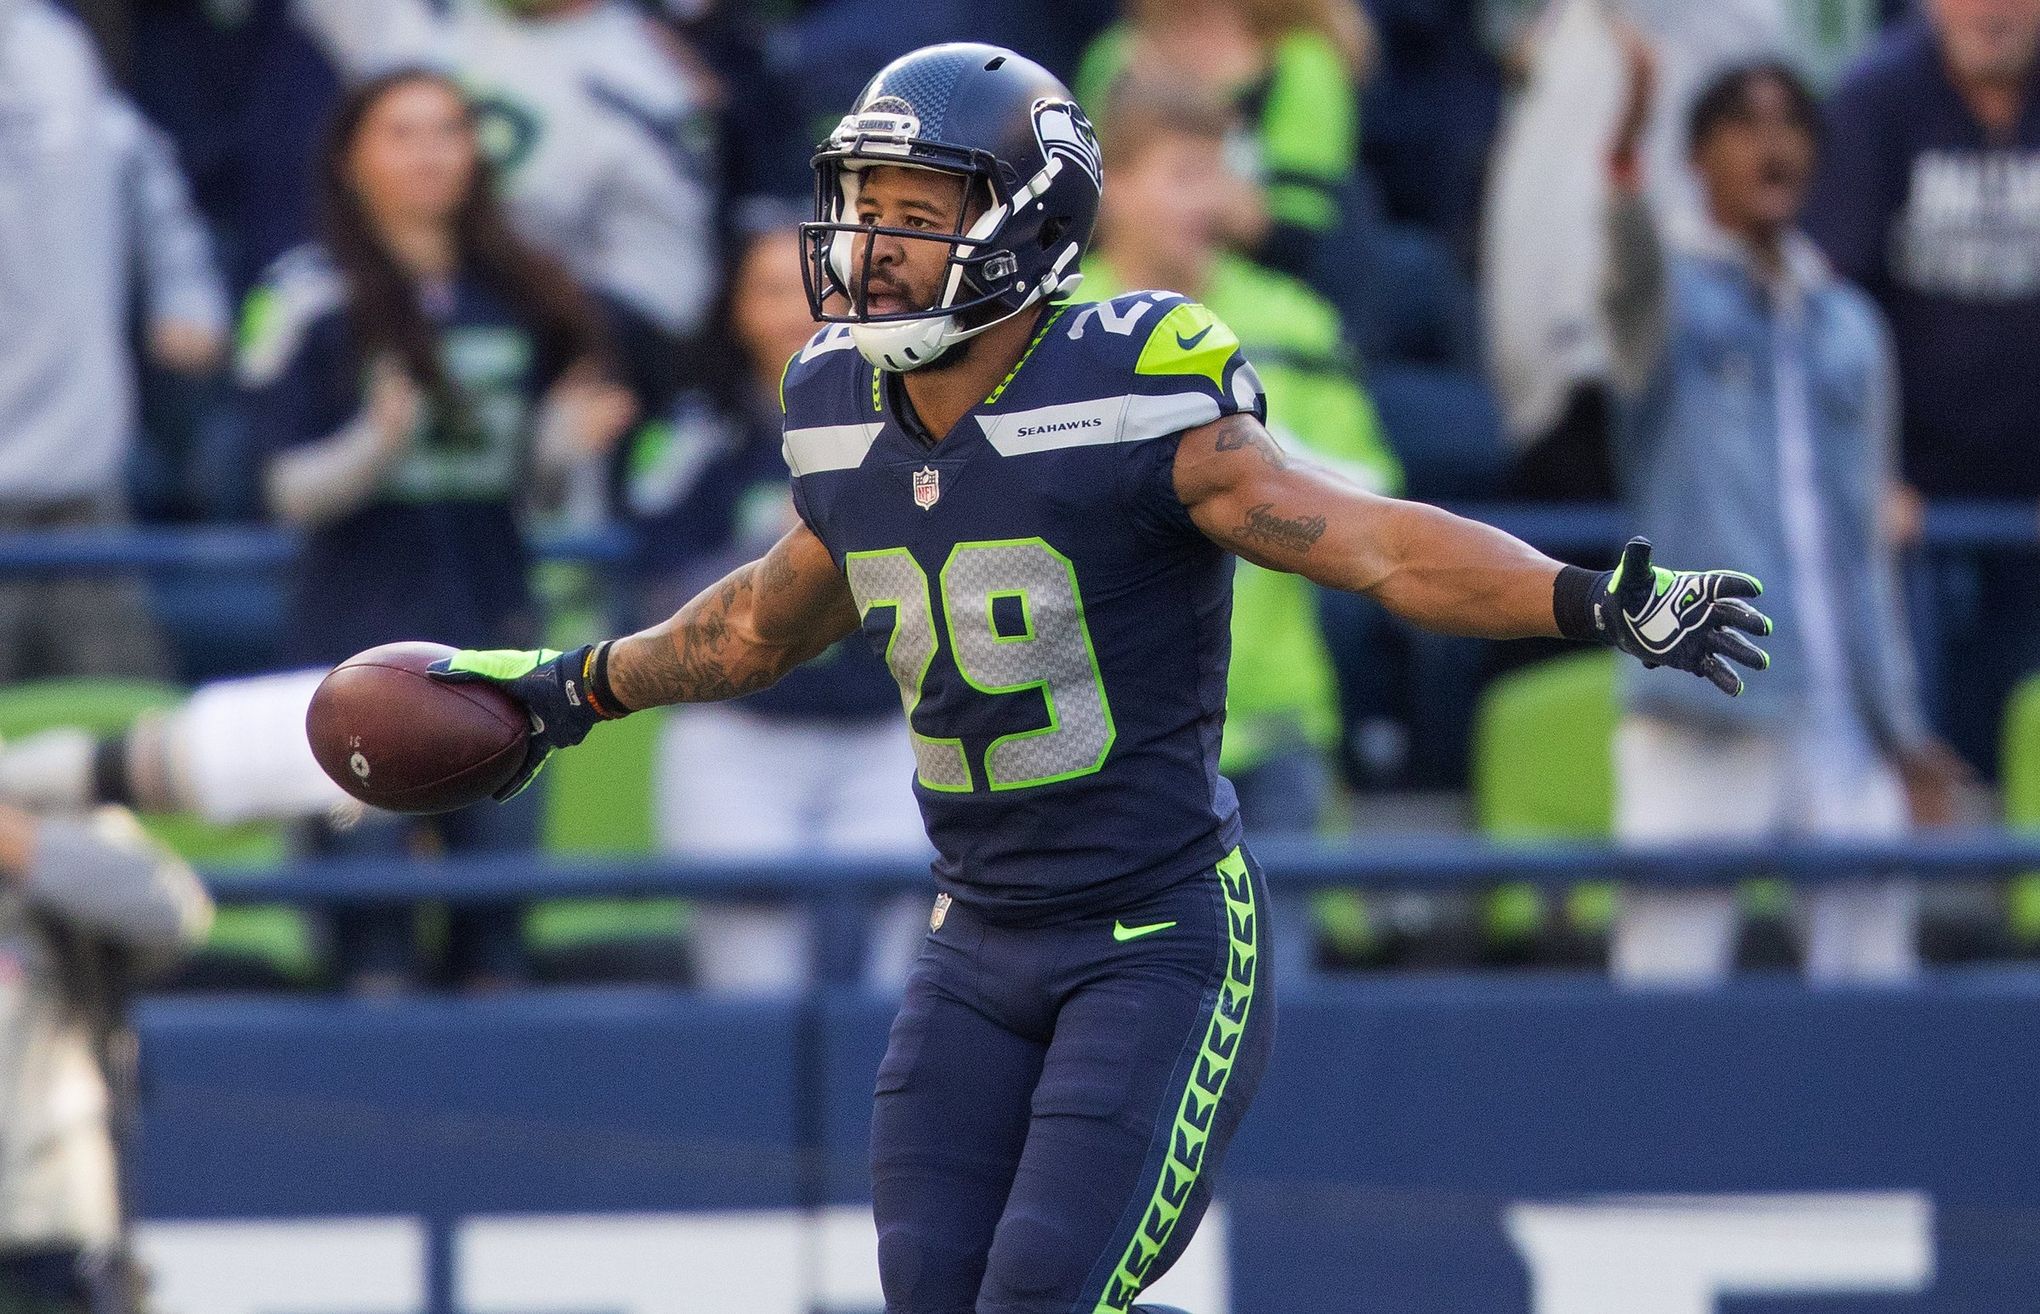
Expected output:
(1691, 620)
(552, 688)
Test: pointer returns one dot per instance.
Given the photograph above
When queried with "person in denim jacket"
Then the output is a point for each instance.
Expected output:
(1757, 419)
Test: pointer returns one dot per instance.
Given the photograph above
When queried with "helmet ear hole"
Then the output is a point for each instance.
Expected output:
(1052, 231)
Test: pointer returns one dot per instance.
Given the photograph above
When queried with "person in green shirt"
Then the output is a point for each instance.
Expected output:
(1291, 70)
(1168, 189)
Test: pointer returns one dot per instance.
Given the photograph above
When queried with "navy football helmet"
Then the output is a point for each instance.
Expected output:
(1030, 160)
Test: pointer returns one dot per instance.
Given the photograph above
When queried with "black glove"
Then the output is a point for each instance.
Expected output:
(1690, 620)
(552, 687)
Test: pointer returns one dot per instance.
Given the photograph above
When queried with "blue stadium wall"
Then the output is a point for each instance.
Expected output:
(1504, 1146)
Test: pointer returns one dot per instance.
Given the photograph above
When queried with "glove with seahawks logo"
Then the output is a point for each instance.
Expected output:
(1691, 620)
(551, 686)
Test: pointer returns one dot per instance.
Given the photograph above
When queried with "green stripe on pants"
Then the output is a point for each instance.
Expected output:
(1208, 1078)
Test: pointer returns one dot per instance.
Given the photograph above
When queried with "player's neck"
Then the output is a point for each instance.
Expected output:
(943, 396)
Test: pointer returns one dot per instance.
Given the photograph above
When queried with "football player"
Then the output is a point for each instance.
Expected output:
(1030, 506)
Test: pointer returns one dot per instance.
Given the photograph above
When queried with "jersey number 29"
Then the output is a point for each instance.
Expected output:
(1051, 652)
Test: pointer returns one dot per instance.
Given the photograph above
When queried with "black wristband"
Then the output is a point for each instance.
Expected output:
(607, 704)
(1572, 603)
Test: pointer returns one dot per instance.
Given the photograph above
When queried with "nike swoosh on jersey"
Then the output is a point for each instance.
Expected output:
(1122, 932)
(1194, 339)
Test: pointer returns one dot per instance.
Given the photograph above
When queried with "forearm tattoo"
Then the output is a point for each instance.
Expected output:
(693, 658)
(1296, 534)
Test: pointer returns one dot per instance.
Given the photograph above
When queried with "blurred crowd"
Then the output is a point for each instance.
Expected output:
(431, 281)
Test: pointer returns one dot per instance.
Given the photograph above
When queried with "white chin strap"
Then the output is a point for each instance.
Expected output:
(910, 344)
(906, 345)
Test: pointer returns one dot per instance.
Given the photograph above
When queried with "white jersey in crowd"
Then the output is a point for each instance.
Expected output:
(94, 883)
(89, 198)
(1543, 248)
(596, 125)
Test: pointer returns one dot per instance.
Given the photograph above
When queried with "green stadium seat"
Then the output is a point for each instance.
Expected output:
(1541, 738)
(278, 938)
(2019, 772)
(1543, 767)
(1542, 770)
(600, 802)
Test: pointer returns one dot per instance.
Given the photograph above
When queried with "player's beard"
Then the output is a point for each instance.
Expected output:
(951, 357)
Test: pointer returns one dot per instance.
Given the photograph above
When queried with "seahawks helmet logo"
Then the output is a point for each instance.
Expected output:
(1065, 134)
(887, 125)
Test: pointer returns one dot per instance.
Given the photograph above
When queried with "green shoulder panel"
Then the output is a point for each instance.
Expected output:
(1189, 340)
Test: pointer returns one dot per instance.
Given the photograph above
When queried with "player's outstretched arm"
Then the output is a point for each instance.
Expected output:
(756, 624)
(741, 634)
(1451, 574)
(1437, 569)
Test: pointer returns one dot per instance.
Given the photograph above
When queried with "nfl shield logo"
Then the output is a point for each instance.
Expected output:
(927, 487)
(941, 912)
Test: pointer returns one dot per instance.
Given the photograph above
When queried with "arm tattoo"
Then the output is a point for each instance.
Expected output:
(779, 571)
(1263, 526)
(694, 659)
(1243, 431)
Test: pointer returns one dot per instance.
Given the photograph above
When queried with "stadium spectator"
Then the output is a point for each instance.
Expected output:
(820, 763)
(599, 127)
(1292, 71)
(1168, 192)
(1543, 259)
(409, 380)
(90, 204)
(1929, 196)
(1756, 418)
(88, 907)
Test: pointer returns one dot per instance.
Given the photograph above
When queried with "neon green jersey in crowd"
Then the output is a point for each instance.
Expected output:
(1281, 687)
(1304, 116)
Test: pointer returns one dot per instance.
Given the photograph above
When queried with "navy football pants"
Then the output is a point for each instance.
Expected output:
(1054, 1101)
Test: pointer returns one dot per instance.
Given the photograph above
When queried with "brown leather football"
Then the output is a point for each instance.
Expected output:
(394, 737)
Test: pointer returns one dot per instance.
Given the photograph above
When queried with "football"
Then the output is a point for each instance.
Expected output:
(395, 738)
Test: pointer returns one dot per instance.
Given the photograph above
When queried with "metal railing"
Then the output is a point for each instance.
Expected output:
(844, 895)
(1401, 862)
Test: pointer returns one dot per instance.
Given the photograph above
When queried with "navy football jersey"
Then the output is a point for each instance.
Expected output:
(1057, 625)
